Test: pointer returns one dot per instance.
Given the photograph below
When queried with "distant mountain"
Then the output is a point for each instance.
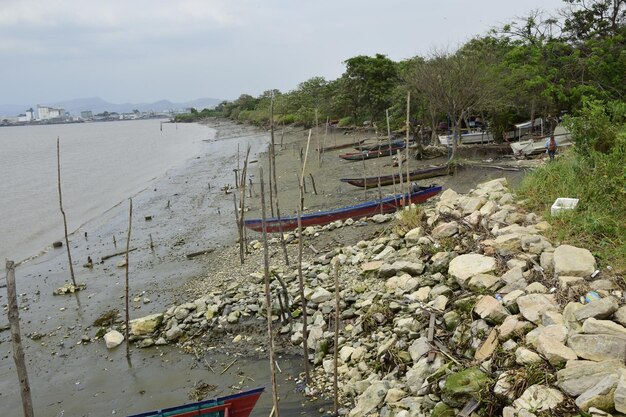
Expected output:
(98, 105)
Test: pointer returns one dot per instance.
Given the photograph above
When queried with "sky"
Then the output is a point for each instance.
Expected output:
(180, 50)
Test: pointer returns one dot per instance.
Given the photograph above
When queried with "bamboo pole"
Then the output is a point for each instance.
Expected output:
(268, 298)
(325, 136)
(400, 170)
(408, 125)
(18, 351)
(305, 333)
(319, 145)
(393, 177)
(242, 205)
(306, 155)
(67, 241)
(336, 350)
(283, 244)
(130, 225)
(269, 157)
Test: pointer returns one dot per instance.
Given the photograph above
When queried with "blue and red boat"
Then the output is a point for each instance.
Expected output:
(367, 209)
(235, 405)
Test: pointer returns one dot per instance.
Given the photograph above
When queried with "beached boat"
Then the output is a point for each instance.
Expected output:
(359, 156)
(381, 146)
(236, 405)
(468, 138)
(343, 146)
(535, 146)
(419, 174)
(370, 208)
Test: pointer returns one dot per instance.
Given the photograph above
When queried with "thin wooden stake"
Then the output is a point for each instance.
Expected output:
(18, 351)
(400, 170)
(325, 136)
(305, 333)
(393, 177)
(268, 297)
(67, 241)
(130, 225)
(306, 155)
(283, 244)
(317, 136)
(408, 125)
(269, 156)
(313, 183)
(336, 350)
(151, 242)
(114, 242)
(380, 193)
(242, 199)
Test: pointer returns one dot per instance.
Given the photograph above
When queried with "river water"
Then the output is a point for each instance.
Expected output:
(101, 165)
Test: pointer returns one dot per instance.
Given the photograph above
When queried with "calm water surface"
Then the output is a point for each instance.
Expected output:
(101, 165)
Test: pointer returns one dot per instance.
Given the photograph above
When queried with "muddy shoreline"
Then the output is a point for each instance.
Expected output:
(71, 371)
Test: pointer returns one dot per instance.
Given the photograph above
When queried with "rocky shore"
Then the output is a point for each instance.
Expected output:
(457, 306)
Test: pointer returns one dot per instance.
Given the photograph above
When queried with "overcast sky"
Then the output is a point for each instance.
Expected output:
(146, 50)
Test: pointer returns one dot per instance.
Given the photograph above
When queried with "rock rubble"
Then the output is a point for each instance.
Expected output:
(512, 331)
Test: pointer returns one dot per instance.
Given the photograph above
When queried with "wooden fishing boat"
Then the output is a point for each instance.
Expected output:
(343, 146)
(534, 146)
(235, 405)
(359, 156)
(380, 146)
(370, 208)
(419, 174)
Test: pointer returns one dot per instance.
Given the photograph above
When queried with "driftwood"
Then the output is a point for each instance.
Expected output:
(199, 253)
(113, 255)
(18, 351)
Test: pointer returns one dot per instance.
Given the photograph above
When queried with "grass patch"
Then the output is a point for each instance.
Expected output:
(410, 218)
(598, 179)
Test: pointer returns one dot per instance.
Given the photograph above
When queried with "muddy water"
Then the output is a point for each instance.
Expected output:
(184, 211)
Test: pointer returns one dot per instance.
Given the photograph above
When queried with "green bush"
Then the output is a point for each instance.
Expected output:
(344, 122)
(597, 177)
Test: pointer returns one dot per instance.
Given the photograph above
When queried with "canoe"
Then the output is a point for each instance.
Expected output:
(236, 405)
(342, 146)
(419, 174)
(367, 209)
(359, 156)
(381, 146)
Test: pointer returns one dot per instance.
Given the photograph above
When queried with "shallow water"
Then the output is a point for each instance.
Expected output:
(101, 165)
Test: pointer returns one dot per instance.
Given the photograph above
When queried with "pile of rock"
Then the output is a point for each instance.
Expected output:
(510, 333)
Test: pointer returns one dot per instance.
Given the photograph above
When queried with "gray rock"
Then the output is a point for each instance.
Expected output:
(321, 295)
(598, 347)
(370, 399)
(419, 348)
(578, 376)
(490, 309)
(525, 356)
(445, 230)
(113, 339)
(146, 325)
(539, 398)
(413, 235)
(463, 267)
(598, 309)
(620, 315)
(483, 282)
(593, 326)
(600, 395)
(174, 333)
(532, 306)
(553, 350)
(620, 393)
(573, 261)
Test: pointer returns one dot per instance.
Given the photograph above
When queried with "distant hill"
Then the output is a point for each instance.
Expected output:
(98, 105)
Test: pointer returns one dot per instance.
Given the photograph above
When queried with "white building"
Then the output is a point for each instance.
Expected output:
(47, 113)
(28, 116)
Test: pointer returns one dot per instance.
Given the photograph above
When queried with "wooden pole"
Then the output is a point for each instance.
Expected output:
(18, 351)
(400, 170)
(393, 177)
(269, 156)
(336, 350)
(67, 241)
(306, 155)
(317, 136)
(380, 193)
(325, 136)
(268, 298)
(305, 333)
(242, 205)
(127, 297)
(313, 183)
(408, 125)
(283, 244)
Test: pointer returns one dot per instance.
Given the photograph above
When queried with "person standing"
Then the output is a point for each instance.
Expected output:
(551, 146)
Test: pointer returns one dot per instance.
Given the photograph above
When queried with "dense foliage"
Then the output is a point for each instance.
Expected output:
(535, 66)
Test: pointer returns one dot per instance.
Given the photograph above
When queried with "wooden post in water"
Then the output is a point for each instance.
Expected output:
(127, 297)
(283, 244)
(305, 333)
(268, 298)
(67, 241)
(18, 351)
(336, 350)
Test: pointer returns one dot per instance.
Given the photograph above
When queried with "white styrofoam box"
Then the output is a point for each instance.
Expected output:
(562, 203)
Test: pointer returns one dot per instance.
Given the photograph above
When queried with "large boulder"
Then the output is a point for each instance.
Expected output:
(463, 267)
(573, 261)
(146, 325)
(598, 309)
(598, 347)
(579, 376)
(370, 399)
